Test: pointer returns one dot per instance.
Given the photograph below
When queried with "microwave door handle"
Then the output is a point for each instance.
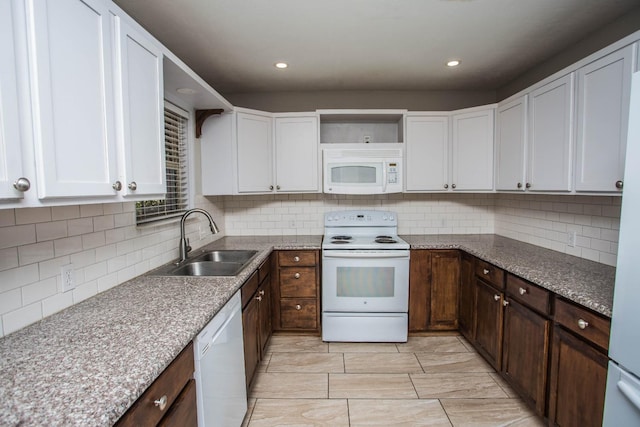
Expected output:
(384, 177)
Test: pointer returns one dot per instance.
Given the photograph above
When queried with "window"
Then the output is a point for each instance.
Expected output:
(176, 201)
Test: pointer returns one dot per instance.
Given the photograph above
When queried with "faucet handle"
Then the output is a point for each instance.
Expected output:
(188, 245)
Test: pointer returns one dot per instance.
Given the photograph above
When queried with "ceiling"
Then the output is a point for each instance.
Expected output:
(333, 45)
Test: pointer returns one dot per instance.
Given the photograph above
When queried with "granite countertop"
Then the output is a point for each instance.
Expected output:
(585, 282)
(89, 363)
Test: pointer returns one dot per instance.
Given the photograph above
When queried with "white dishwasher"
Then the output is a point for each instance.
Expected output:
(219, 365)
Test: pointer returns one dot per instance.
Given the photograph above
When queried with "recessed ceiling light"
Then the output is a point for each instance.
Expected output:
(453, 63)
(186, 91)
(281, 65)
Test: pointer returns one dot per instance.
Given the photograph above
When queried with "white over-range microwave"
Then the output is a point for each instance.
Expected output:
(362, 170)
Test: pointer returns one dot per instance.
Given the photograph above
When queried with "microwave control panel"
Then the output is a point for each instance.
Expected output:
(392, 173)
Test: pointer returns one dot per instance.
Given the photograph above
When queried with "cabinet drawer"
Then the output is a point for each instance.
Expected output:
(298, 313)
(490, 273)
(183, 412)
(298, 282)
(264, 270)
(294, 258)
(170, 383)
(249, 288)
(583, 322)
(528, 294)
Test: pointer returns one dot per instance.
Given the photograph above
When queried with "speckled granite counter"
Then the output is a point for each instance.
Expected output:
(87, 364)
(586, 282)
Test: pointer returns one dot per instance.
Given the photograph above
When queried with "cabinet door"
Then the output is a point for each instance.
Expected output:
(255, 161)
(70, 45)
(488, 323)
(511, 134)
(140, 108)
(526, 352)
(250, 331)
(467, 297)
(297, 154)
(550, 136)
(427, 153)
(10, 138)
(445, 282)
(419, 289)
(604, 89)
(577, 378)
(183, 412)
(264, 292)
(472, 150)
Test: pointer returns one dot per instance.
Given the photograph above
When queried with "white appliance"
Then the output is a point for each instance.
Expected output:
(362, 170)
(365, 278)
(219, 369)
(622, 400)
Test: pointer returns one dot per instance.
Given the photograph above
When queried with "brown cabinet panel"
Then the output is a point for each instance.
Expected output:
(299, 313)
(297, 258)
(526, 352)
(298, 282)
(419, 290)
(528, 294)
(445, 280)
(265, 327)
(251, 337)
(490, 273)
(488, 323)
(183, 412)
(577, 378)
(583, 322)
(467, 296)
(249, 289)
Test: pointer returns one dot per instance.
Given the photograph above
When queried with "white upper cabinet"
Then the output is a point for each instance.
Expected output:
(602, 119)
(70, 44)
(550, 136)
(254, 153)
(511, 135)
(140, 113)
(10, 138)
(296, 154)
(427, 153)
(472, 150)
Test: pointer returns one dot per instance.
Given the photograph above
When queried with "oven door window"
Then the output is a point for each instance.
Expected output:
(365, 282)
(356, 174)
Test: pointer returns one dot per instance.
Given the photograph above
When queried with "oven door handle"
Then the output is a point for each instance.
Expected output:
(368, 255)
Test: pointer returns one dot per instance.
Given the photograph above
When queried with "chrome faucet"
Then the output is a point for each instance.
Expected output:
(184, 242)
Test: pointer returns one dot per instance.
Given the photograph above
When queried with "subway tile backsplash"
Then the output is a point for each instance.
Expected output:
(106, 248)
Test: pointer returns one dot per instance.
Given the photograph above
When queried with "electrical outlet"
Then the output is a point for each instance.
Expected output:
(367, 139)
(68, 281)
(571, 239)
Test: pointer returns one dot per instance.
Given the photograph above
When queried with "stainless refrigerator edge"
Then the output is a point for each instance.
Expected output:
(622, 401)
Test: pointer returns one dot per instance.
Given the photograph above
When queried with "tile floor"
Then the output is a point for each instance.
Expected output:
(428, 381)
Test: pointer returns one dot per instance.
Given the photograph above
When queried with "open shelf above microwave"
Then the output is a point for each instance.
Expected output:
(361, 126)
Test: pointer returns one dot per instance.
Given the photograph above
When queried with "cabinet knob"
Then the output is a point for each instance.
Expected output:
(522, 291)
(446, 186)
(485, 271)
(117, 186)
(453, 186)
(298, 307)
(133, 186)
(277, 187)
(259, 298)
(528, 185)
(22, 184)
(161, 403)
(505, 303)
(619, 185)
(496, 297)
(261, 292)
(519, 185)
(297, 275)
(582, 324)
(296, 259)
(271, 187)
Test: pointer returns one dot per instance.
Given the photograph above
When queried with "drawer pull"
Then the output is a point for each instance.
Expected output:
(259, 298)
(161, 403)
(261, 292)
(485, 271)
(298, 307)
(505, 303)
(297, 275)
(582, 324)
(522, 291)
(496, 297)
(296, 259)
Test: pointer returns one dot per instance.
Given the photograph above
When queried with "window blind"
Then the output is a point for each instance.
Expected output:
(176, 200)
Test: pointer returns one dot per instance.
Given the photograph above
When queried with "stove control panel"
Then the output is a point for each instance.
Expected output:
(360, 218)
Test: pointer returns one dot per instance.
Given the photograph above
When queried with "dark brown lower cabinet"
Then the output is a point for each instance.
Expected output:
(467, 296)
(525, 353)
(578, 375)
(488, 323)
(251, 336)
(183, 411)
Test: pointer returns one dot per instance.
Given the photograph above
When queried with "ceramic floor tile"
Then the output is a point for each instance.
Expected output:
(296, 343)
(250, 405)
(371, 386)
(306, 362)
(432, 345)
(300, 412)
(490, 413)
(405, 413)
(467, 344)
(503, 384)
(362, 347)
(287, 385)
(433, 363)
(456, 385)
(264, 363)
(381, 363)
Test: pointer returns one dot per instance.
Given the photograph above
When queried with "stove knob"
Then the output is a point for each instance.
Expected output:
(384, 217)
(391, 218)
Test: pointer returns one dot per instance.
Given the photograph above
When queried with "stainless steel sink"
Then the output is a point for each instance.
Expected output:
(210, 263)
